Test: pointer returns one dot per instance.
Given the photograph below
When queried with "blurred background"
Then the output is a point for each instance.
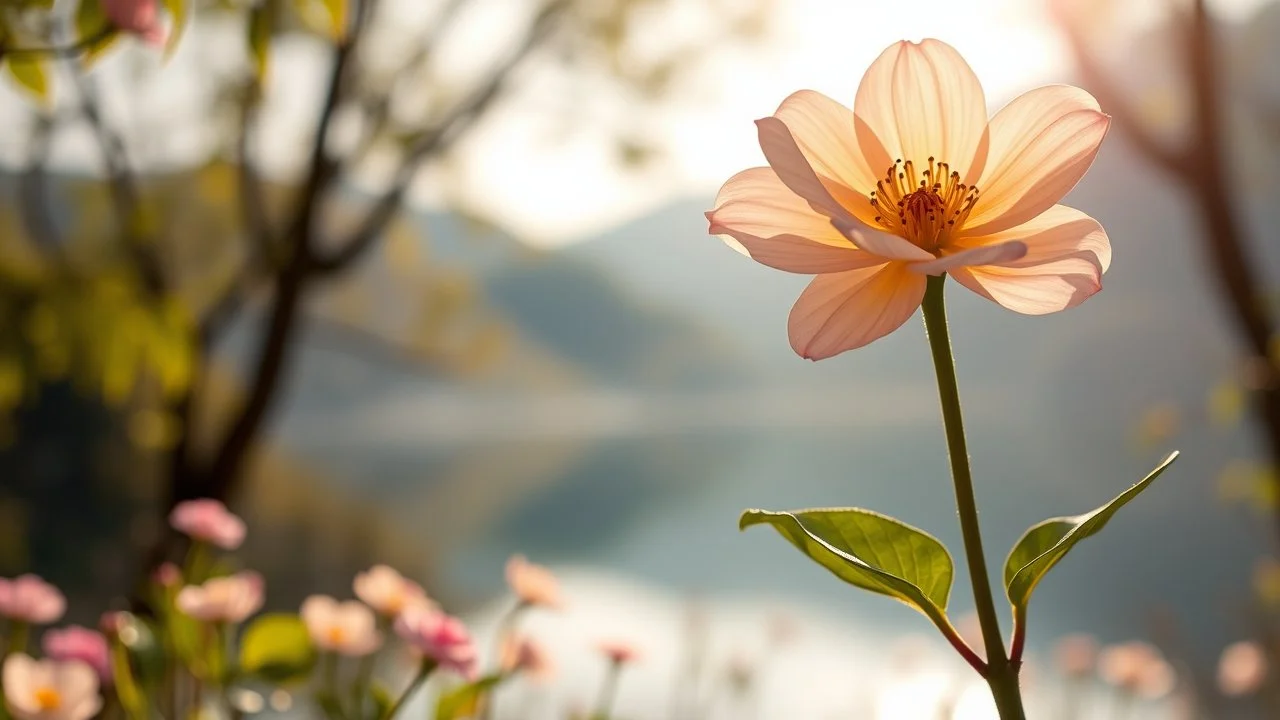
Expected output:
(479, 314)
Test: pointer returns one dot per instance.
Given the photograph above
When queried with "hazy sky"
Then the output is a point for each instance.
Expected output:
(552, 193)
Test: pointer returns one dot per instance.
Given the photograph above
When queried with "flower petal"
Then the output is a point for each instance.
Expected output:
(843, 311)
(763, 219)
(784, 156)
(996, 254)
(1067, 253)
(884, 245)
(1041, 145)
(824, 131)
(921, 100)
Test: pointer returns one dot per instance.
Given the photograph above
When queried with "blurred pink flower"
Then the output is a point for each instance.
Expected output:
(533, 584)
(527, 656)
(30, 599)
(440, 637)
(140, 17)
(230, 599)
(347, 628)
(208, 521)
(875, 199)
(1242, 669)
(1076, 655)
(390, 593)
(167, 575)
(1138, 668)
(619, 652)
(79, 643)
(50, 689)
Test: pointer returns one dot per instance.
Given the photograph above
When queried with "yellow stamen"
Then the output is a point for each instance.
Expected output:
(924, 210)
(47, 698)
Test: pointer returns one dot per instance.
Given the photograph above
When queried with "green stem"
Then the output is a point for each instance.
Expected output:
(18, 633)
(427, 666)
(1002, 675)
(608, 691)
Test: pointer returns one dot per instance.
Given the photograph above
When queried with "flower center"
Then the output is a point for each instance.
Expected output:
(47, 698)
(924, 209)
(336, 635)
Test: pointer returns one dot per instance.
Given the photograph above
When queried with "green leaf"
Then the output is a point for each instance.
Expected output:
(31, 74)
(870, 551)
(1042, 546)
(260, 29)
(277, 648)
(92, 25)
(382, 700)
(463, 701)
(178, 11)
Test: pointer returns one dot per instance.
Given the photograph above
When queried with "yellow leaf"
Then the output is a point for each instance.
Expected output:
(178, 11)
(31, 75)
(337, 10)
(92, 22)
(260, 38)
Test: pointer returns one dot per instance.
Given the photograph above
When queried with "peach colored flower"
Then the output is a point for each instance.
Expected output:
(230, 599)
(527, 656)
(916, 181)
(390, 593)
(533, 584)
(1242, 669)
(441, 637)
(140, 17)
(347, 628)
(29, 599)
(1138, 668)
(79, 643)
(619, 652)
(1076, 655)
(208, 521)
(50, 689)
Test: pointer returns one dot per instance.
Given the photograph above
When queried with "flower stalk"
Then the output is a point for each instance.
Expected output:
(1001, 674)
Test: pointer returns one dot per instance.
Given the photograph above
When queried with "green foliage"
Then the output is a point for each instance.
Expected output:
(464, 701)
(870, 551)
(1045, 544)
(277, 649)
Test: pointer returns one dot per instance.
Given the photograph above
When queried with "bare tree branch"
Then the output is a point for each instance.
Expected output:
(1116, 102)
(427, 144)
(124, 189)
(290, 284)
(63, 51)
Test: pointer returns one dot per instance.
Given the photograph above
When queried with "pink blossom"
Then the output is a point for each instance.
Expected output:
(30, 599)
(140, 17)
(208, 521)
(525, 655)
(619, 652)
(390, 593)
(347, 628)
(230, 599)
(1242, 669)
(50, 689)
(79, 643)
(533, 584)
(440, 637)
(167, 575)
